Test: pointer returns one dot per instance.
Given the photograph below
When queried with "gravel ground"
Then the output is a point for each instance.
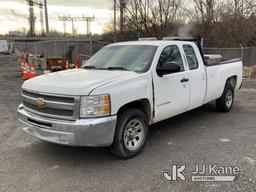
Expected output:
(201, 136)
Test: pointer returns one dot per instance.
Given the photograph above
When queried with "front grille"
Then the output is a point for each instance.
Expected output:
(49, 111)
(56, 106)
(49, 97)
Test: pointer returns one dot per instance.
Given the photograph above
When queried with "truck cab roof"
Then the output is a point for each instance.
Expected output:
(153, 43)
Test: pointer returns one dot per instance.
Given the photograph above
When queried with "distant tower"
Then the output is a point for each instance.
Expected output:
(41, 17)
(31, 18)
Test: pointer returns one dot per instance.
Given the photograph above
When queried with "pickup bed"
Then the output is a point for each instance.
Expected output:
(114, 97)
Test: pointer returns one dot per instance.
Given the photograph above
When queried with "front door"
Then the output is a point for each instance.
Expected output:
(171, 90)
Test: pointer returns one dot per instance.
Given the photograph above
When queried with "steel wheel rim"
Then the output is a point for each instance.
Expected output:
(229, 98)
(133, 134)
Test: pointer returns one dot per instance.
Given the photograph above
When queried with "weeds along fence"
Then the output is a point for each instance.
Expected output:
(85, 48)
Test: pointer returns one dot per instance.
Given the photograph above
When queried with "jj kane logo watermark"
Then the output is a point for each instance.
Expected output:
(207, 173)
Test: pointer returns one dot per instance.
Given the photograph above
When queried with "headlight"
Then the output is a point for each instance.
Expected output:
(95, 106)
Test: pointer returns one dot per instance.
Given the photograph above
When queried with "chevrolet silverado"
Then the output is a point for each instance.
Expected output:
(125, 87)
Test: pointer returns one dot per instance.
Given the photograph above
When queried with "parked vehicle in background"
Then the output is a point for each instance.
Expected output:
(114, 97)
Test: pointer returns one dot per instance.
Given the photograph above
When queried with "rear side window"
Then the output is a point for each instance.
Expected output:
(191, 57)
(171, 54)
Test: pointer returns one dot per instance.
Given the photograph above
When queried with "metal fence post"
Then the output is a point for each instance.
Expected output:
(55, 48)
(34, 47)
(91, 49)
(242, 51)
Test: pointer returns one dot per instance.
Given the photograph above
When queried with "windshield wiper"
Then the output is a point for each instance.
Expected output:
(108, 68)
(90, 67)
(117, 68)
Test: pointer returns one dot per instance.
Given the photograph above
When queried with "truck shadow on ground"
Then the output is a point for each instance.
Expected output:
(172, 127)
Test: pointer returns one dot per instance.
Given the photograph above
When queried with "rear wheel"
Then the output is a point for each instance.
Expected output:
(225, 102)
(131, 134)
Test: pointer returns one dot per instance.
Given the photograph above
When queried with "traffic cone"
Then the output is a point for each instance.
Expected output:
(77, 61)
(19, 63)
(46, 72)
(19, 60)
(22, 67)
(26, 72)
(67, 66)
(33, 71)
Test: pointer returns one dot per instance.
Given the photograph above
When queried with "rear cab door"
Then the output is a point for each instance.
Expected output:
(172, 90)
(196, 73)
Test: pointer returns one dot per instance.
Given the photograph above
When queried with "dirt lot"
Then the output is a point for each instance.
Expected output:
(202, 136)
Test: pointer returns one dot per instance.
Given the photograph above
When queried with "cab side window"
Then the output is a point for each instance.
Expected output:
(191, 57)
(171, 54)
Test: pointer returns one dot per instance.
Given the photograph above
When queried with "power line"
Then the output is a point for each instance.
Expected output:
(64, 19)
(88, 20)
(74, 19)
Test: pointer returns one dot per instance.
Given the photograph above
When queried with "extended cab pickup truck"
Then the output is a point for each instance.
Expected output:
(125, 87)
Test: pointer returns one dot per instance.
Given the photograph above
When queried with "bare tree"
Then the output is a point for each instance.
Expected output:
(223, 23)
(149, 17)
(205, 15)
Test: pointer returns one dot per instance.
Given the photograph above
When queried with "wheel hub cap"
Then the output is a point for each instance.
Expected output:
(229, 98)
(133, 134)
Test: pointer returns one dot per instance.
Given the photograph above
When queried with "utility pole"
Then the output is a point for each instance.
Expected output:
(46, 17)
(88, 23)
(114, 20)
(122, 7)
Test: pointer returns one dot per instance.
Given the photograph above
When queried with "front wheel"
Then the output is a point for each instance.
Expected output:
(225, 103)
(131, 134)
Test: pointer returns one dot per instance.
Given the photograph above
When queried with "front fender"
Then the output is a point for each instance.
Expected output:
(127, 90)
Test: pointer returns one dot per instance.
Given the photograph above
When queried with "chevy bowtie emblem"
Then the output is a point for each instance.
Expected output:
(40, 103)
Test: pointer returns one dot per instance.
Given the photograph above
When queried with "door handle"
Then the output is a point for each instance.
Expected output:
(184, 80)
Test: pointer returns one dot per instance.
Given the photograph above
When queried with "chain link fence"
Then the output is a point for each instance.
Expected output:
(86, 48)
(248, 54)
(61, 48)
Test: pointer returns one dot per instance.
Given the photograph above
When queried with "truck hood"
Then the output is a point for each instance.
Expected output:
(74, 82)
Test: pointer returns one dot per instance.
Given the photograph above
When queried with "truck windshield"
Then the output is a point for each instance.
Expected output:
(136, 58)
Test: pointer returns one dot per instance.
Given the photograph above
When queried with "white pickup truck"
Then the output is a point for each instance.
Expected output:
(114, 97)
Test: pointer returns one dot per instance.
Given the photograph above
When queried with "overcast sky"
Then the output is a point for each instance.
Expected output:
(13, 14)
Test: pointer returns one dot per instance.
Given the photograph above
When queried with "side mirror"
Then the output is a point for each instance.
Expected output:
(167, 68)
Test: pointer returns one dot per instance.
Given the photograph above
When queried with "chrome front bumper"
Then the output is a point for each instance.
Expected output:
(82, 132)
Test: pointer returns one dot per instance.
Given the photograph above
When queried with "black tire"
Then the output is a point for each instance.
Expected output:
(124, 119)
(222, 104)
